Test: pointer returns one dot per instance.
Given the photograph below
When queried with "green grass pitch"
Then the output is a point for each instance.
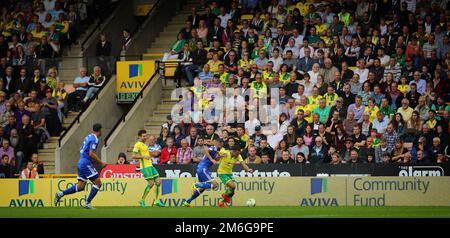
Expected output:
(229, 212)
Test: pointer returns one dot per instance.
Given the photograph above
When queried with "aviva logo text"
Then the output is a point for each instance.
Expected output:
(135, 70)
(26, 187)
(318, 186)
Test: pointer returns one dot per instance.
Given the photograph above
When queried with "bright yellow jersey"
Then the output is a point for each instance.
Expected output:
(303, 7)
(38, 35)
(307, 108)
(258, 90)
(373, 112)
(243, 64)
(321, 28)
(403, 88)
(267, 75)
(285, 78)
(214, 66)
(331, 99)
(314, 100)
(227, 163)
(141, 149)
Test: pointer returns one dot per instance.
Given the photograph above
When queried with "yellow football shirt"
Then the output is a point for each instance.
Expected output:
(141, 149)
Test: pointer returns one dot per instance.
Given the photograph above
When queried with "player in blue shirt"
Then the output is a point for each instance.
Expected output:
(85, 167)
(206, 181)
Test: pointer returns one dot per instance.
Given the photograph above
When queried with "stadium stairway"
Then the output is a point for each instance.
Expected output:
(154, 122)
(69, 68)
(167, 37)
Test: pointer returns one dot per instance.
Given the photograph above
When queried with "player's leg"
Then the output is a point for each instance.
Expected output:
(158, 202)
(83, 173)
(95, 188)
(227, 180)
(198, 188)
(229, 192)
(150, 184)
(205, 179)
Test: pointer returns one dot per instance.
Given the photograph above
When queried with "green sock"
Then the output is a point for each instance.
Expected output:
(229, 192)
(157, 192)
(146, 191)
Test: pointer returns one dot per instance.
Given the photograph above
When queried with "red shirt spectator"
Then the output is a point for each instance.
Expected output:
(167, 151)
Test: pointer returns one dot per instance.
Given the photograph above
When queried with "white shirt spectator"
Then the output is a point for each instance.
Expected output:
(153, 148)
(250, 126)
(295, 51)
(301, 53)
(273, 140)
(363, 73)
(224, 19)
(276, 63)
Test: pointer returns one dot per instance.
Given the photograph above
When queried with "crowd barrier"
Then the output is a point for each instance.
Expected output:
(267, 191)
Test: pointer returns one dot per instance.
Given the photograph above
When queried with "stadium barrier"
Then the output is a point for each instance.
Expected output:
(281, 191)
(288, 170)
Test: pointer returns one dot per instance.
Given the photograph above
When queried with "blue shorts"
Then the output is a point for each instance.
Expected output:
(204, 175)
(86, 172)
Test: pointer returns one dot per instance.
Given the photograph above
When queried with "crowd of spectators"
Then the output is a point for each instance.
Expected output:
(360, 81)
(33, 99)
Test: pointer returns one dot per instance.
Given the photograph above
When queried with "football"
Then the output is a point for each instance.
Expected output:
(251, 202)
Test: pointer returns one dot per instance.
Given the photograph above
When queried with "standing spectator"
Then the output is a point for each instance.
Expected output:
(126, 39)
(103, 53)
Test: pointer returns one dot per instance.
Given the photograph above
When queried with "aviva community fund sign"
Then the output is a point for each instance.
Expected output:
(267, 191)
(132, 77)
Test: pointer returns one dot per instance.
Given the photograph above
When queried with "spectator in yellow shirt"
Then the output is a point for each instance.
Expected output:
(214, 63)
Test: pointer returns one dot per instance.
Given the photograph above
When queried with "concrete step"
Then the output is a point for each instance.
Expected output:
(157, 50)
(46, 151)
(50, 146)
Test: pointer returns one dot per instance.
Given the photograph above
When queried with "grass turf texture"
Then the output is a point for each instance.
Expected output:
(229, 212)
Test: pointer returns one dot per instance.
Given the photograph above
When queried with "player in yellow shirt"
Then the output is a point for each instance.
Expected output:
(141, 152)
(225, 172)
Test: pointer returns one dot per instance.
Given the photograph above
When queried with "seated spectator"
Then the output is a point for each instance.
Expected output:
(286, 158)
(252, 157)
(354, 157)
(29, 172)
(6, 168)
(167, 151)
(8, 150)
(318, 152)
(198, 151)
(336, 159)
(154, 149)
(122, 159)
(81, 86)
(37, 165)
(176, 48)
(96, 81)
(184, 153)
(399, 151)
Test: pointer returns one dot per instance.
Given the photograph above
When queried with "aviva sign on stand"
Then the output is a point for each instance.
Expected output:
(131, 78)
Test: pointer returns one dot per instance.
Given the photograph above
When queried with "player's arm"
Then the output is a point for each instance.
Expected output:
(208, 155)
(248, 169)
(95, 158)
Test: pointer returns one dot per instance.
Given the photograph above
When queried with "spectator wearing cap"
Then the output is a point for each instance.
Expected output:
(258, 136)
(318, 152)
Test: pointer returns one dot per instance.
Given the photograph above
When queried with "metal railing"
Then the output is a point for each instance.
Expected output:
(112, 60)
(140, 95)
